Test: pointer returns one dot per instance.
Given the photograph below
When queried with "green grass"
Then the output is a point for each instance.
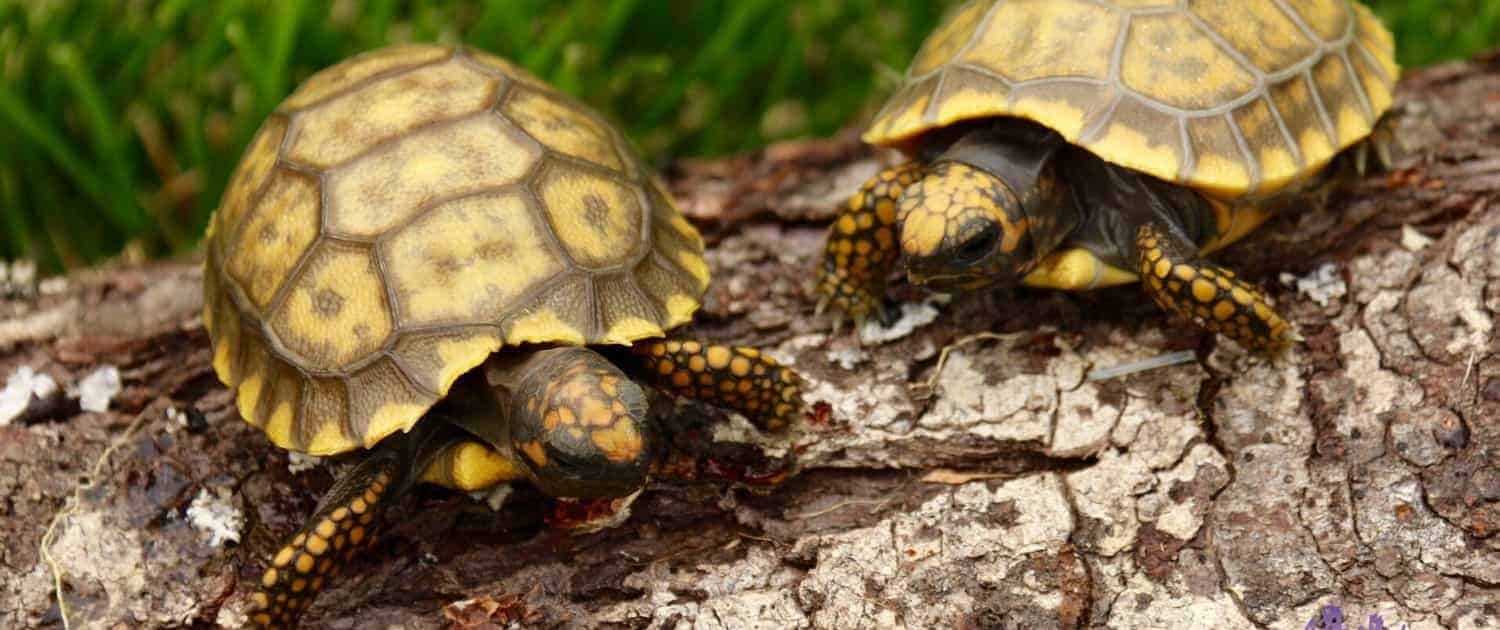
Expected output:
(122, 119)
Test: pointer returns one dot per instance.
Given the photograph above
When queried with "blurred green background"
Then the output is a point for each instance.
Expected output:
(121, 119)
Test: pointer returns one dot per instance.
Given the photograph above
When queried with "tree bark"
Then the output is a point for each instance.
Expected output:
(1004, 488)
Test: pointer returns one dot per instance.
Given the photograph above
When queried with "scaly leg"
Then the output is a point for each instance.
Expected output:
(1207, 294)
(861, 249)
(736, 377)
(343, 526)
(349, 515)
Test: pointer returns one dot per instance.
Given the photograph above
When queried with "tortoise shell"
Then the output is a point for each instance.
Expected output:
(409, 211)
(1226, 96)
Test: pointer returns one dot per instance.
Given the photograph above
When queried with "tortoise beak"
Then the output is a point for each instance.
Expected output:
(946, 281)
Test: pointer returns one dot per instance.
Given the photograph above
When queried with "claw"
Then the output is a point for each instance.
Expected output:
(886, 313)
(1384, 156)
(861, 249)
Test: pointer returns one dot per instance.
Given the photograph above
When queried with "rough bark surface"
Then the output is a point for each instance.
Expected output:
(1004, 490)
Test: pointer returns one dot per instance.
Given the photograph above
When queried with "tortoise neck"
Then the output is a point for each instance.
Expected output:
(480, 403)
(1022, 155)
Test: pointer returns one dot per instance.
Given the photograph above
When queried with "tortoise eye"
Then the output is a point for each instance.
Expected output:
(978, 246)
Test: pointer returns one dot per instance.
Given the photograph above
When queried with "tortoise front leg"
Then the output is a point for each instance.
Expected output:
(1206, 294)
(736, 377)
(349, 516)
(861, 249)
(343, 526)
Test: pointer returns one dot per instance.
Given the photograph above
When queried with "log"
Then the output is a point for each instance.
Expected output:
(971, 471)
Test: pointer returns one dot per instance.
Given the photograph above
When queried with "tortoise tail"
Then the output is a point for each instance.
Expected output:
(343, 526)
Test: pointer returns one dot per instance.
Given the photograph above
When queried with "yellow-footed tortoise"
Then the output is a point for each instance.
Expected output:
(415, 256)
(1075, 144)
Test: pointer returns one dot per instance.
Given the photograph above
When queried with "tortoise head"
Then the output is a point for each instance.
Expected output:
(962, 227)
(580, 425)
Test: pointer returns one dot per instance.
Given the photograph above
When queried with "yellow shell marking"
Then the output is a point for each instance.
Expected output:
(227, 344)
(251, 173)
(389, 419)
(468, 260)
(949, 38)
(439, 359)
(542, 325)
(1277, 166)
(359, 68)
(1220, 165)
(367, 197)
(1294, 101)
(1327, 18)
(1377, 41)
(899, 119)
(252, 381)
(1268, 38)
(282, 425)
(680, 306)
(1345, 108)
(564, 126)
(1066, 116)
(1139, 140)
(386, 109)
(336, 312)
(1072, 38)
(329, 438)
(627, 314)
(631, 328)
(275, 235)
(689, 257)
(1376, 89)
(597, 218)
(509, 70)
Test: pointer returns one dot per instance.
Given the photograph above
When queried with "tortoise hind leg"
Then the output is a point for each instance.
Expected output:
(1208, 295)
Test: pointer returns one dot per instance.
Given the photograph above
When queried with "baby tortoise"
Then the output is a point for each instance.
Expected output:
(1077, 144)
(429, 254)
